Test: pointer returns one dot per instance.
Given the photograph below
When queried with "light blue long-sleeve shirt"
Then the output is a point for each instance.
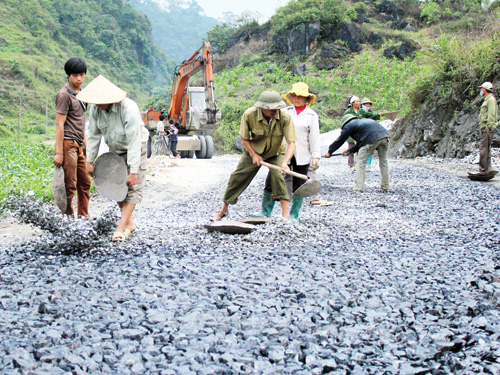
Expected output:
(122, 128)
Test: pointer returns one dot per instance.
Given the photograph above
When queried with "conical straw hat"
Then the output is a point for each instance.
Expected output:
(101, 91)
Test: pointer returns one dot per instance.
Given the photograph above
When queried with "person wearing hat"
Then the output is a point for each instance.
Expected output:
(488, 120)
(365, 111)
(369, 136)
(355, 108)
(117, 118)
(353, 104)
(263, 129)
(70, 141)
(307, 147)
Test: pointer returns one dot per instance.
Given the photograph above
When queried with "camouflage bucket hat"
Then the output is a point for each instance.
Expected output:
(270, 99)
(347, 118)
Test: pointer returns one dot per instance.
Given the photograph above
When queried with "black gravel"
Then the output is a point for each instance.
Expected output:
(405, 282)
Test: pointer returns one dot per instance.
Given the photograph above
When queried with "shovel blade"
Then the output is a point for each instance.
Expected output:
(308, 189)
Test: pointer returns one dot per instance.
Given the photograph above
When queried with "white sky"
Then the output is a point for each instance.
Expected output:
(216, 8)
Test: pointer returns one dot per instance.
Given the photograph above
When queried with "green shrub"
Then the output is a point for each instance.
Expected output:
(302, 11)
(420, 92)
(221, 33)
(218, 36)
(25, 167)
(431, 12)
(225, 135)
(5, 132)
(36, 129)
(455, 64)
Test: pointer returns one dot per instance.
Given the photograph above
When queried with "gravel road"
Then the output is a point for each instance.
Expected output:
(405, 282)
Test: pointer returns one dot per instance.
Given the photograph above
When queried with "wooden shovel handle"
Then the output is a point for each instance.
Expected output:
(291, 173)
(336, 154)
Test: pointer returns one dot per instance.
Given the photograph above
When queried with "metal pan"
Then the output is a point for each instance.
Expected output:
(308, 189)
(481, 176)
(110, 176)
(230, 226)
(256, 220)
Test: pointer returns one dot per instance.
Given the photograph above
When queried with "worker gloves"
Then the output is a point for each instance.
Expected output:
(314, 163)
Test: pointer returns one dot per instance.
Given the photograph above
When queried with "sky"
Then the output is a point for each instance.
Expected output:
(216, 8)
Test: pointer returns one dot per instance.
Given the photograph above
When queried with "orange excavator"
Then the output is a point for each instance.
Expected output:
(193, 107)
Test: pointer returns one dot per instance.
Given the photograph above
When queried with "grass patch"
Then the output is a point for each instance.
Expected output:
(25, 167)
(455, 65)
(385, 81)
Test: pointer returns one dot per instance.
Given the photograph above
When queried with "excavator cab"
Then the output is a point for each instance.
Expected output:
(201, 115)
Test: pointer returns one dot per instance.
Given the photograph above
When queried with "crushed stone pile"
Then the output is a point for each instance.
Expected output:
(405, 282)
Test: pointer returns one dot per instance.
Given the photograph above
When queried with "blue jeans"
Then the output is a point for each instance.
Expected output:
(173, 147)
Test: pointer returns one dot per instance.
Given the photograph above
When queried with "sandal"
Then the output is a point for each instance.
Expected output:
(118, 236)
(218, 216)
(127, 232)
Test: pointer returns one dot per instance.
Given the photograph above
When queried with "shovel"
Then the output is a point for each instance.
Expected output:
(336, 154)
(308, 189)
(392, 115)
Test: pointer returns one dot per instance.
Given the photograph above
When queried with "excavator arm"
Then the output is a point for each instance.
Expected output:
(201, 60)
(193, 108)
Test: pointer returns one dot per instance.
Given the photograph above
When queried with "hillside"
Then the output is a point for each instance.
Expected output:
(423, 58)
(178, 27)
(38, 36)
(390, 51)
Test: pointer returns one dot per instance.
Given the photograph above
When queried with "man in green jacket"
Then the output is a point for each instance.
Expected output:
(263, 128)
(488, 120)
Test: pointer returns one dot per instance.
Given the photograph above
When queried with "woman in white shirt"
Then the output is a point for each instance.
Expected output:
(307, 150)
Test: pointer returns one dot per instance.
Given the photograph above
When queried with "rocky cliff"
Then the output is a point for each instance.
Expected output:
(331, 43)
(444, 118)
(445, 127)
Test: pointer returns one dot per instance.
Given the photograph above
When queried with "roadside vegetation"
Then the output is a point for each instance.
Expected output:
(385, 81)
(25, 168)
(37, 37)
(26, 165)
(457, 63)
(458, 47)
